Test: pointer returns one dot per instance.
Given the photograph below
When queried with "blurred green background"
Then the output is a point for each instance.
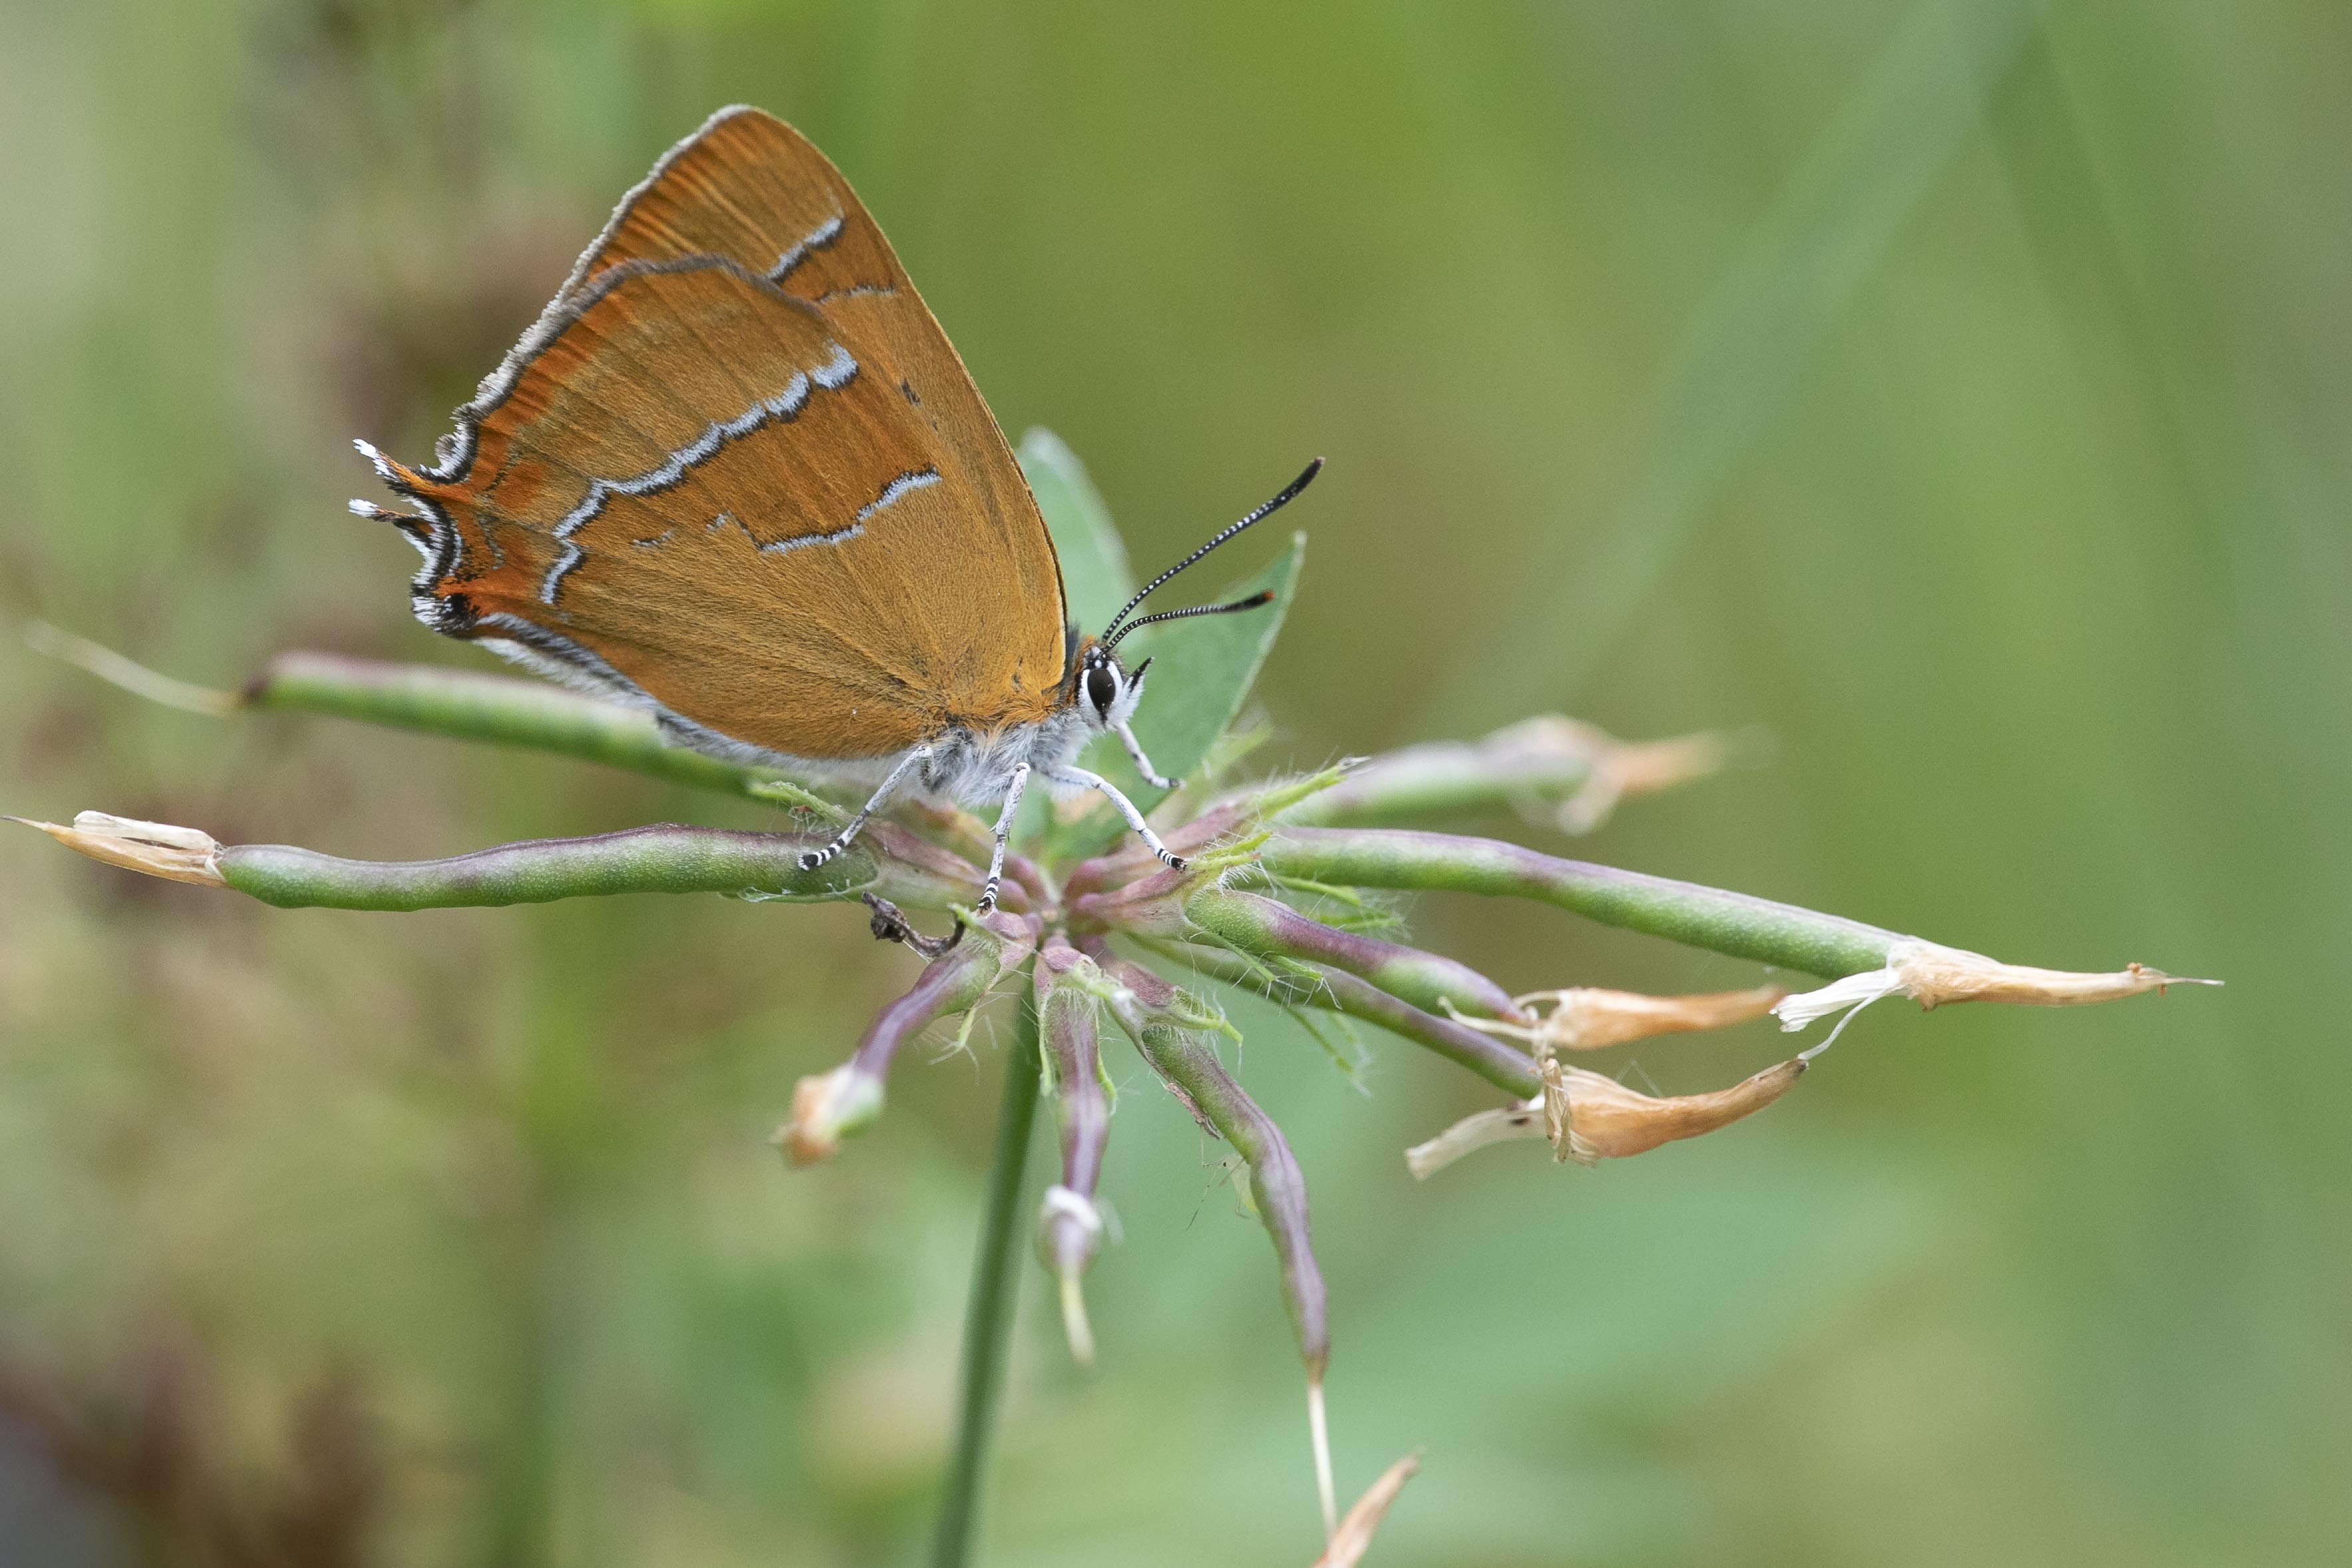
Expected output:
(1957, 390)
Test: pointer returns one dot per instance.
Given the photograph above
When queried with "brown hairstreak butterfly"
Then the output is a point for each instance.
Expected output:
(736, 475)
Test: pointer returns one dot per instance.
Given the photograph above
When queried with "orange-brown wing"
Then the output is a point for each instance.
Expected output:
(743, 262)
(684, 484)
(748, 187)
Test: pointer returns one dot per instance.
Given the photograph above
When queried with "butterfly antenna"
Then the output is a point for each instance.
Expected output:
(1289, 493)
(1264, 596)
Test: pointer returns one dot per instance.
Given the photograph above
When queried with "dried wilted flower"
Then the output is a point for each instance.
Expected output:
(1622, 769)
(1587, 1019)
(1553, 769)
(826, 1108)
(1932, 975)
(159, 849)
(1589, 1117)
(1503, 1124)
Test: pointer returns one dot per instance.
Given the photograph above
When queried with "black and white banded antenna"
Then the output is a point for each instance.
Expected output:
(1264, 596)
(1113, 632)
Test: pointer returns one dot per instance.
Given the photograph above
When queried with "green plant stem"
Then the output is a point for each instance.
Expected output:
(988, 1315)
(1444, 777)
(1684, 912)
(466, 704)
(886, 860)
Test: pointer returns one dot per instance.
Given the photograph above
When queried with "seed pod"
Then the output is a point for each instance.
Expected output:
(1316, 985)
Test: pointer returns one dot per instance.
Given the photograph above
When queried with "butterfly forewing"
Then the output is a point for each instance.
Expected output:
(737, 467)
(750, 188)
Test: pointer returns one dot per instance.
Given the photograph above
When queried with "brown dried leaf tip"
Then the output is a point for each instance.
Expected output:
(1346, 1547)
(118, 671)
(158, 849)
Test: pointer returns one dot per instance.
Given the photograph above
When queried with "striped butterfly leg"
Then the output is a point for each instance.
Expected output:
(1135, 754)
(813, 858)
(1079, 779)
(1003, 831)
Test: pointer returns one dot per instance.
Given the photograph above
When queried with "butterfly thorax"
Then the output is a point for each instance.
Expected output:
(974, 767)
(973, 762)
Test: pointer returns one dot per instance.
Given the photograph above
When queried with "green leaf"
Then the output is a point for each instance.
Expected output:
(1095, 577)
(1201, 671)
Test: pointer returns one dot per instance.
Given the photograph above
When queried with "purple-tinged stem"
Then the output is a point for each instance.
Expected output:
(828, 1107)
(1150, 1011)
(1069, 1226)
(1268, 928)
(1336, 990)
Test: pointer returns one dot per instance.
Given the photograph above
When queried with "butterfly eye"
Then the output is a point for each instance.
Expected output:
(1102, 689)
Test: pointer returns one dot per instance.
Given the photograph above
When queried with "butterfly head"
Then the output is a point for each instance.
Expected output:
(1107, 692)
